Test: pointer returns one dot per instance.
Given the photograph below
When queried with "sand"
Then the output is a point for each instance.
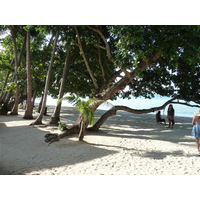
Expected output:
(127, 144)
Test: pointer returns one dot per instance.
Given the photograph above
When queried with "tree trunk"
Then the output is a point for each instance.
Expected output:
(55, 118)
(17, 63)
(34, 97)
(123, 82)
(15, 107)
(114, 110)
(120, 85)
(102, 119)
(50, 138)
(40, 104)
(2, 95)
(40, 116)
(85, 59)
(16, 104)
(82, 130)
(29, 103)
(43, 63)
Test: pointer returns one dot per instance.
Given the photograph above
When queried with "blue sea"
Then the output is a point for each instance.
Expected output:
(139, 103)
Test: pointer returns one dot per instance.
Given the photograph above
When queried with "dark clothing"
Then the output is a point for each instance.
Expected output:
(158, 118)
(170, 116)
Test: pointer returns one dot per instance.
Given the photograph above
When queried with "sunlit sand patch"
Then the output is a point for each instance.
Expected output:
(16, 123)
(129, 128)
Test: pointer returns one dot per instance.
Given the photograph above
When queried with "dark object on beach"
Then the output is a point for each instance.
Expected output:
(50, 138)
(4, 109)
(159, 119)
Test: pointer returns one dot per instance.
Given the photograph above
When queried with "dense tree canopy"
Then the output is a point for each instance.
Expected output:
(104, 60)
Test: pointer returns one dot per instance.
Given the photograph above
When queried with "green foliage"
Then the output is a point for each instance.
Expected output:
(62, 126)
(176, 72)
(86, 107)
(11, 86)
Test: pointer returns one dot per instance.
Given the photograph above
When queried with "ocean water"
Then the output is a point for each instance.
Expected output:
(138, 103)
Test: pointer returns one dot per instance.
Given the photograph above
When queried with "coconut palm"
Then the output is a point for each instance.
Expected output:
(86, 108)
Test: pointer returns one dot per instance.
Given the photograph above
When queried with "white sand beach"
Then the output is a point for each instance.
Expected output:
(127, 144)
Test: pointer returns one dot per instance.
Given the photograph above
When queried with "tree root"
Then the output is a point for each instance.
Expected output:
(50, 138)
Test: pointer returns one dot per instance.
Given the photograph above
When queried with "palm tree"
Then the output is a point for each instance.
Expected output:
(86, 108)
(29, 105)
(55, 118)
(14, 30)
(38, 121)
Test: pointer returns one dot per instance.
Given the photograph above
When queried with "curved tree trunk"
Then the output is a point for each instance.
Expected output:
(107, 93)
(114, 110)
(40, 116)
(55, 118)
(103, 118)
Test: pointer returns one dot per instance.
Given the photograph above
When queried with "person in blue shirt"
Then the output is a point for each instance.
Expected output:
(196, 129)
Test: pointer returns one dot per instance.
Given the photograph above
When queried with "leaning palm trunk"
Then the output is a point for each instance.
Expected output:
(82, 129)
(86, 117)
(55, 118)
(39, 118)
(108, 92)
(15, 107)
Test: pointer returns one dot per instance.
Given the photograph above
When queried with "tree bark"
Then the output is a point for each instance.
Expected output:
(29, 103)
(85, 59)
(114, 110)
(15, 107)
(55, 118)
(120, 85)
(50, 138)
(40, 116)
(82, 130)
(16, 99)
(108, 49)
(2, 95)
(40, 104)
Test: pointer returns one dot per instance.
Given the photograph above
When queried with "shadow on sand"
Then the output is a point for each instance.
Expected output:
(23, 146)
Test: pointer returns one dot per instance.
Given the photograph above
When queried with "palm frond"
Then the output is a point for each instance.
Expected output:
(71, 99)
(84, 106)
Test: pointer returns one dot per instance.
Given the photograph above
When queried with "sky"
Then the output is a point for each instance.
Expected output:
(102, 12)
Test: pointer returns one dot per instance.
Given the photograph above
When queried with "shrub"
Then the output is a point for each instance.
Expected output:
(62, 126)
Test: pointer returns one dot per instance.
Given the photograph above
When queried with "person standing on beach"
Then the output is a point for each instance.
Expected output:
(196, 129)
(170, 116)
